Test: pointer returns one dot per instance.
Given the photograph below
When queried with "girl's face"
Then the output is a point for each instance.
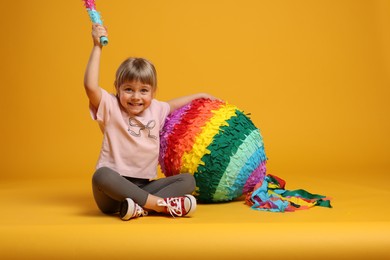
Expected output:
(135, 97)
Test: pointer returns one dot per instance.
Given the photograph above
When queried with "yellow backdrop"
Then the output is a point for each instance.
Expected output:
(313, 74)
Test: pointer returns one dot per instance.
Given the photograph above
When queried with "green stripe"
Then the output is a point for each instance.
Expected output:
(240, 161)
(223, 146)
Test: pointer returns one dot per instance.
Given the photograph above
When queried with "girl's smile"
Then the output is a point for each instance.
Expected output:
(135, 97)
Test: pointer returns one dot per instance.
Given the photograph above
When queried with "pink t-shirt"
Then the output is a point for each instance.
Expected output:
(130, 144)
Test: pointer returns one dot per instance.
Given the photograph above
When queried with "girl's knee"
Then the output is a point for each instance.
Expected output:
(189, 179)
(101, 175)
(100, 185)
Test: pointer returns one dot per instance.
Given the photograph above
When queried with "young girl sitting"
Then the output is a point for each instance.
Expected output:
(125, 178)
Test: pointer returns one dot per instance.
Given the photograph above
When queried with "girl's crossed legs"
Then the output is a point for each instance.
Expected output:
(110, 189)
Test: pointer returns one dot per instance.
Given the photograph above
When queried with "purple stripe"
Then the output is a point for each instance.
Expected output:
(256, 176)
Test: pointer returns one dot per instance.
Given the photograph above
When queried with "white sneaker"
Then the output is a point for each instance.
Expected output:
(130, 209)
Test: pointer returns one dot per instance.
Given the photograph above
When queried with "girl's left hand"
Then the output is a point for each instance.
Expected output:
(206, 95)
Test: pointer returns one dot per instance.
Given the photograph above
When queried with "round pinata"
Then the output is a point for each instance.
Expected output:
(218, 144)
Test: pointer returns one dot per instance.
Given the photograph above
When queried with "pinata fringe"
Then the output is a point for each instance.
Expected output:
(270, 195)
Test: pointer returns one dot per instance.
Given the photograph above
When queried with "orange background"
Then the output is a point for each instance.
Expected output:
(313, 74)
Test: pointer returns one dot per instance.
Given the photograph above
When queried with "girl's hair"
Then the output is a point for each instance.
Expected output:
(136, 69)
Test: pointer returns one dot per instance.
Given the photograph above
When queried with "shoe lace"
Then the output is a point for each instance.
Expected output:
(173, 206)
(140, 212)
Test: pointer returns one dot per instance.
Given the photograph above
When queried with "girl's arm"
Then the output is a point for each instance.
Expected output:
(91, 76)
(181, 101)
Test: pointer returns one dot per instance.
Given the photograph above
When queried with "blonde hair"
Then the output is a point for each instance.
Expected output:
(136, 69)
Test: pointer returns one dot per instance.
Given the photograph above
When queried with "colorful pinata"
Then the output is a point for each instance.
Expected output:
(218, 144)
(221, 147)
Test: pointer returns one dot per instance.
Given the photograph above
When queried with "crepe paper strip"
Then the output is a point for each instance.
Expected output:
(90, 4)
(182, 137)
(95, 17)
(178, 137)
(270, 195)
(192, 159)
(229, 151)
(172, 120)
(238, 171)
(256, 176)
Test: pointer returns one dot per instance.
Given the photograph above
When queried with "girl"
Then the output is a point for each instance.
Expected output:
(130, 121)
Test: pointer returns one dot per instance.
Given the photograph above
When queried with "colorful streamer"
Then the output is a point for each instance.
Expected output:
(270, 195)
(95, 18)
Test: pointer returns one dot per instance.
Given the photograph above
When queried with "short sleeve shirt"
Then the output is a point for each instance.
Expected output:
(130, 144)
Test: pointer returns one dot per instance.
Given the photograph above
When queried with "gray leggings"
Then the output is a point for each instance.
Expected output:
(110, 188)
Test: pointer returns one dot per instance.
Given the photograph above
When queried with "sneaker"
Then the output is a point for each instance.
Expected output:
(130, 209)
(179, 206)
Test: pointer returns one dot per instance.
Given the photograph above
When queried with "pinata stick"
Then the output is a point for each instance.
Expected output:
(95, 18)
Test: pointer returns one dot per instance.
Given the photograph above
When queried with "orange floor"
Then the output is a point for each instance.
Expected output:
(57, 219)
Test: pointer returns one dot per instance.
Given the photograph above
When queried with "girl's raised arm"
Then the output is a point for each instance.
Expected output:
(91, 76)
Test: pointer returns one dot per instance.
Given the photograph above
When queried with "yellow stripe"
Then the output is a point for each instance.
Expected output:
(191, 159)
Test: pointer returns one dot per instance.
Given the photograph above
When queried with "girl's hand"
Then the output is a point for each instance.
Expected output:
(98, 31)
(206, 95)
(181, 101)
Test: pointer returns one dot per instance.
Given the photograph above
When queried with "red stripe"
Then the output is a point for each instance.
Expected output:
(184, 133)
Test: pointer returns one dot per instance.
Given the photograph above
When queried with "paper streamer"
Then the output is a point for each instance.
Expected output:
(95, 18)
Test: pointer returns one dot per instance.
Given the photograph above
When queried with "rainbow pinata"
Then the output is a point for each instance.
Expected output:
(218, 144)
